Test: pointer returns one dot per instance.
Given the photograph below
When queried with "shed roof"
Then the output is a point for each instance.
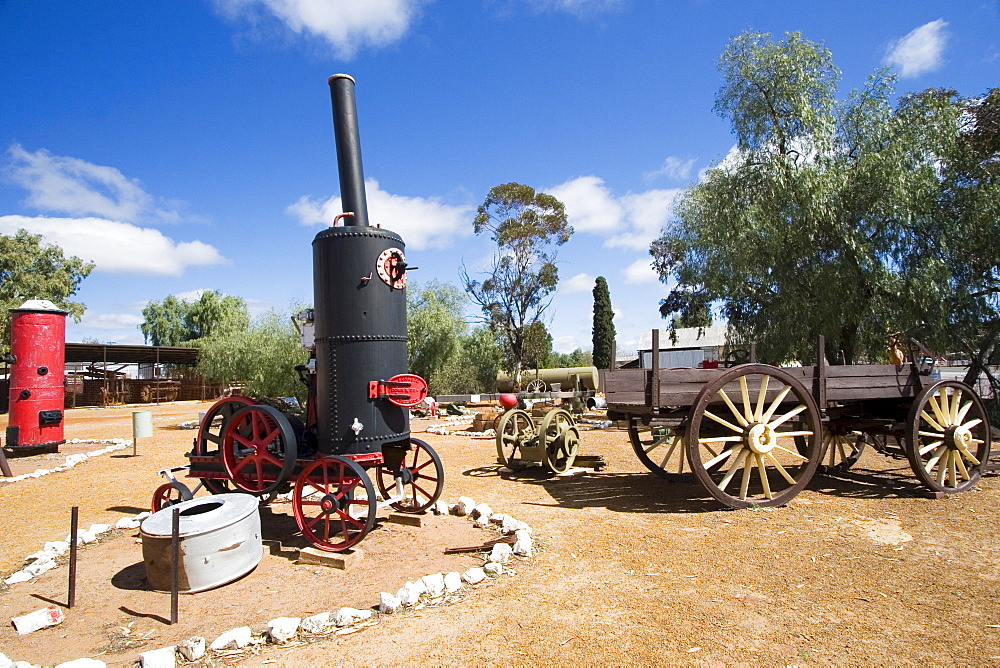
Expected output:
(688, 337)
(116, 354)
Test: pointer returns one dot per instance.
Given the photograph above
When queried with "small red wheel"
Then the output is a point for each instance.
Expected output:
(422, 477)
(334, 503)
(259, 449)
(209, 440)
(165, 495)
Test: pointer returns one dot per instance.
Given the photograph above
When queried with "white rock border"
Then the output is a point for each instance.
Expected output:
(73, 460)
(431, 589)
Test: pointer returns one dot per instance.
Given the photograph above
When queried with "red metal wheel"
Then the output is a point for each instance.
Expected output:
(209, 440)
(421, 476)
(164, 496)
(259, 449)
(334, 503)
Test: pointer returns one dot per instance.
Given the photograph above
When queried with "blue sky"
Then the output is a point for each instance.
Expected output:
(188, 145)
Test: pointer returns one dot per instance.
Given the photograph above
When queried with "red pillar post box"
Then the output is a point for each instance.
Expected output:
(37, 361)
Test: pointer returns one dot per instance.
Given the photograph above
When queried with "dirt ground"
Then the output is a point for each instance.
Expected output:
(861, 569)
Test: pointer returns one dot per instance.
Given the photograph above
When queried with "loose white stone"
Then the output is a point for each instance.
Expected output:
(500, 554)
(80, 663)
(434, 584)
(510, 525)
(474, 575)
(497, 518)
(409, 594)
(452, 582)
(347, 616)
(523, 544)
(4, 661)
(192, 649)
(233, 639)
(22, 664)
(165, 657)
(317, 623)
(440, 507)
(493, 568)
(98, 529)
(20, 576)
(283, 629)
(464, 506)
(388, 603)
(482, 510)
(38, 567)
(143, 515)
(127, 523)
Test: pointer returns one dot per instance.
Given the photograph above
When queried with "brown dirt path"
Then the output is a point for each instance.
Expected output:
(861, 570)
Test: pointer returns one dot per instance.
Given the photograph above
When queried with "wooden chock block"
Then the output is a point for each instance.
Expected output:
(340, 560)
(407, 520)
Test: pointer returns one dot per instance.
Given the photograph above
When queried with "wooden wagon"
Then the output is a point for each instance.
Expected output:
(755, 434)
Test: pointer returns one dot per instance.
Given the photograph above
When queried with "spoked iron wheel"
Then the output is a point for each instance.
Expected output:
(536, 385)
(334, 503)
(421, 474)
(259, 449)
(209, 440)
(165, 495)
(660, 449)
(948, 436)
(559, 440)
(741, 436)
(514, 431)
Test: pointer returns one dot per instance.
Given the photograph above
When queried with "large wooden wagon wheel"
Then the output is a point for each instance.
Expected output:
(840, 451)
(515, 431)
(947, 436)
(209, 440)
(422, 477)
(259, 449)
(741, 436)
(660, 449)
(334, 503)
(559, 440)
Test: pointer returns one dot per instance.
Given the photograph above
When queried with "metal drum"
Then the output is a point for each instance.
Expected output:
(220, 542)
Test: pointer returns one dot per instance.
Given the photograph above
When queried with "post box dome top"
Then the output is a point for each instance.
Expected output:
(39, 306)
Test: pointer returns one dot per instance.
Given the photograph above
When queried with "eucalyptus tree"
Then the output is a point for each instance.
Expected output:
(435, 323)
(809, 225)
(174, 321)
(527, 227)
(30, 269)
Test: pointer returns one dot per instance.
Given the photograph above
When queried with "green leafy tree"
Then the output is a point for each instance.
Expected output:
(473, 368)
(435, 322)
(173, 321)
(30, 269)
(604, 325)
(805, 230)
(262, 356)
(526, 227)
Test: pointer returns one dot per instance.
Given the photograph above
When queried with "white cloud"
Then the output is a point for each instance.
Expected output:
(110, 321)
(630, 221)
(920, 51)
(346, 25)
(577, 7)
(117, 248)
(60, 184)
(673, 168)
(578, 283)
(423, 222)
(640, 271)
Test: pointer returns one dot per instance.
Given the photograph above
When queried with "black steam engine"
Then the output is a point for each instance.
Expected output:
(357, 416)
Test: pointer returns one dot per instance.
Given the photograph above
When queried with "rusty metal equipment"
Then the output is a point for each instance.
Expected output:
(552, 440)
(352, 453)
(37, 358)
(755, 434)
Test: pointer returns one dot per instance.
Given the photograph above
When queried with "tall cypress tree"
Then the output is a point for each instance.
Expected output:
(604, 326)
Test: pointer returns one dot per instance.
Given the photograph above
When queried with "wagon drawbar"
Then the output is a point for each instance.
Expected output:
(754, 434)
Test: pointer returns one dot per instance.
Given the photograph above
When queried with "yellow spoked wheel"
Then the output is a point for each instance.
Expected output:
(514, 431)
(742, 432)
(947, 436)
(660, 449)
(559, 440)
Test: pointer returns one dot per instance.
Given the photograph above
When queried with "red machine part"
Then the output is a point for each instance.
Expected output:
(405, 389)
(391, 267)
(38, 355)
